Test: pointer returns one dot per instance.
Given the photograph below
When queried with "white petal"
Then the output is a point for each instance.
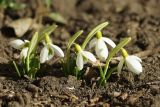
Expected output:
(57, 50)
(79, 61)
(101, 50)
(50, 56)
(89, 56)
(109, 41)
(134, 65)
(26, 41)
(44, 55)
(92, 43)
(23, 53)
(17, 44)
(120, 65)
(135, 57)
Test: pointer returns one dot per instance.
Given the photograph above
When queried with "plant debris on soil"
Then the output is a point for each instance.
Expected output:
(139, 19)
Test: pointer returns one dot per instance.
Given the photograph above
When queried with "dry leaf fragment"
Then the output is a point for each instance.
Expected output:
(21, 26)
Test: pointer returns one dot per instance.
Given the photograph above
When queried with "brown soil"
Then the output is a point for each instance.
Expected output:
(139, 19)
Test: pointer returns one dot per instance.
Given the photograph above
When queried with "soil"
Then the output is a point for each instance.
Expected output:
(139, 19)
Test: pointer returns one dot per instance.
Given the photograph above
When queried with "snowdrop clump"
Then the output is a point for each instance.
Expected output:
(30, 59)
(73, 61)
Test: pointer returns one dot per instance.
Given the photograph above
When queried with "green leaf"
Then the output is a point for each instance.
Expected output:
(93, 32)
(33, 43)
(73, 38)
(34, 67)
(35, 63)
(57, 18)
(17, 70)
(31, 47)
(47, 30)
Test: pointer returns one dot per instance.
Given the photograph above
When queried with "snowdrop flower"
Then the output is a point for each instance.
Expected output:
(81, 55)
(100, 46)
(133, 62)
(49, 50)
(21, 45)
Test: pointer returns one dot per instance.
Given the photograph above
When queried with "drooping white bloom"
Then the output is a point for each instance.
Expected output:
(21, 45)
(49, 50)
(81, 55)
(100, 46)
(23, 53)
(133, 63)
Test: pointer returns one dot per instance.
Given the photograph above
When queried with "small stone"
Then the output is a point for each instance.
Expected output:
(124, 96)
(13, 104)
(27, 98)
(155, 89)
(106, 105)
(32, 88)
(18, 97)
(116, 94)
(132, 100)
(11, 94)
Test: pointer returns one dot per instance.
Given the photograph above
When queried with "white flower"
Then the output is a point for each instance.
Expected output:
(22, 45)
(48, 52)
(133, 64)
(81, 55)
(100, 46)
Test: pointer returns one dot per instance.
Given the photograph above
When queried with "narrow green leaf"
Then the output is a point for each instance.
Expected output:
(110, 72)
(93, 32)
(73, 38)
(33, 43)
(48, 30)
(35, 63)
(32, 46)
(17, 70)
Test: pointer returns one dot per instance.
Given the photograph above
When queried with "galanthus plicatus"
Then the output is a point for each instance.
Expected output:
(22, 45)
(100, 46)
(133, 62)
(81, 54)
(49, 49)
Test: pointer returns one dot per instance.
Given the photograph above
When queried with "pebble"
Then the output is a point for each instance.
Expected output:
(32, 88)
(124, 96)
(155, 89)
(13, 104)
(19, 99)
(116, 94)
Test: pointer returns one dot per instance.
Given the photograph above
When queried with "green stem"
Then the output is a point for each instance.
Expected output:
(17, 70)
(27, 63)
